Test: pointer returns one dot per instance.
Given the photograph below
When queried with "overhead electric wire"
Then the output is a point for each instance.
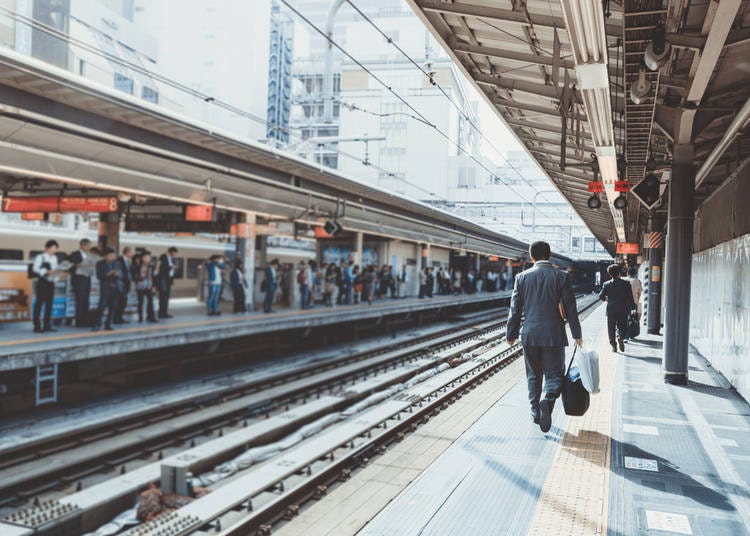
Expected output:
(390, 89)
(444, 92)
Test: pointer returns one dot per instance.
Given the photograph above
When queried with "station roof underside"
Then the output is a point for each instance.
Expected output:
(57, 126)
(510, 51)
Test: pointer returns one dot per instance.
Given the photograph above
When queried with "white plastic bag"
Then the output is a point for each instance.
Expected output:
(588, 366)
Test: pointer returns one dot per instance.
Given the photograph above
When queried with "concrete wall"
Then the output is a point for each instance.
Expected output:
(720, 309)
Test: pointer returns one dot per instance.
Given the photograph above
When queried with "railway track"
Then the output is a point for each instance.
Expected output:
(257, 414)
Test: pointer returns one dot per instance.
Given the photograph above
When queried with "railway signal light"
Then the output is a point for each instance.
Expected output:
(594, 202)
(332, 227)
(621, 202)
(648, 190)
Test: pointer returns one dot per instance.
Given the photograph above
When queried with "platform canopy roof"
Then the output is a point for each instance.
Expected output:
(559, 73)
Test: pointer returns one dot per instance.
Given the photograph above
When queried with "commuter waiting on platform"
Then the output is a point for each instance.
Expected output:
(269, 285)
(144, 280)
(619, 297)
(44, 268)
(637, 287)
(165, 278)
(538, 295)
(109, 273)
(216, 263)
(304, 277)
(238, 281)
(126, 267)
(81, 273)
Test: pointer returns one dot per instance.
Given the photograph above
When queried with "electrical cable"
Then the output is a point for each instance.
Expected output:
(445, 93)
(390, 89)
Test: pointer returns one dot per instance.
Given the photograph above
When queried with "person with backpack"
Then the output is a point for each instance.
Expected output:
(44, 270)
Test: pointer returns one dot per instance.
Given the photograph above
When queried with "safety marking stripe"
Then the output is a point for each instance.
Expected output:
(575, 496)
(207, 322)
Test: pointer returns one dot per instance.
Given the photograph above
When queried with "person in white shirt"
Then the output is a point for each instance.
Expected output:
(45, 270)
(637, 287)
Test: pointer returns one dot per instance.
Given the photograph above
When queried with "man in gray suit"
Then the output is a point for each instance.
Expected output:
(539, 293)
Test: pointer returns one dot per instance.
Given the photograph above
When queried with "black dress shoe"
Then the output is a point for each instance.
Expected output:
(545, 415)
(108, 328)
(38, 330)
(622, 344)
(50, 330)
(614, 348)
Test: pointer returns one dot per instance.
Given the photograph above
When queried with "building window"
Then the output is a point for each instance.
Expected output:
(575, 243)
(123, 83)
(150, 94)
(589, 244)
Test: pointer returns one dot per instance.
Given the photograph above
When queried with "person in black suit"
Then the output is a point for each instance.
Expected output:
(542, 294)
(125, 262)
(165, 276)
(109, 273)
(81, 280)
(270, 285)
(619, 297)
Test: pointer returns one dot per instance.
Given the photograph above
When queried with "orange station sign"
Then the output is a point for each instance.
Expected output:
(628, 248)
(60, 204)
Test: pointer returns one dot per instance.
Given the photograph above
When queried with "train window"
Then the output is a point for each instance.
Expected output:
(11, 254)
(194, 267)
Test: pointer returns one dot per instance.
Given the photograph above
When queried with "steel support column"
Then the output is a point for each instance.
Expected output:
(678, 264)
(245, 251)
(108, 229)
(655, 263)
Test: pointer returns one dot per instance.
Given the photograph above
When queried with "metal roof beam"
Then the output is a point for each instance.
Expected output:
(460, 46)
(717, 37)
(511, 84)
(502, 15)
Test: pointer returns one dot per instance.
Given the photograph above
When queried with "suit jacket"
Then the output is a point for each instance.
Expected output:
(270, 280)
(538, 294)
(114, 281)
(619, 297)
(163, 274)
(126, 270)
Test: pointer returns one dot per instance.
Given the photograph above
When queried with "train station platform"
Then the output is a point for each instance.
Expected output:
(20, 348)
(647, 458)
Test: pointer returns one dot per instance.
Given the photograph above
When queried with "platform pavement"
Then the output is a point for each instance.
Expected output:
(21, 348)
(647, 458)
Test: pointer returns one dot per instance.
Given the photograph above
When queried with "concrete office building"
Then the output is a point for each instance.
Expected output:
(225, 58)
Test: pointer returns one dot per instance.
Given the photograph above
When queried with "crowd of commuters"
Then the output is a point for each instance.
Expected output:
(116, 277)
(347, 283)
(150, 279)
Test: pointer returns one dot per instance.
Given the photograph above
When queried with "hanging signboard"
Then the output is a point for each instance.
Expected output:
(622, 186)
(199, 213)
(60, 204)
(627, 248)
(171, 222)
(596, 187)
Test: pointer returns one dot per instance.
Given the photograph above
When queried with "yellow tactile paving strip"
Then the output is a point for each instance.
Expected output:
(574, 499)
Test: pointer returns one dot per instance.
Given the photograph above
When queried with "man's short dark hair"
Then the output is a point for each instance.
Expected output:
(540, 251)
(614, 270)
(172, 250)
(51, 243)
(84, 242)
(108, 251)
(632, 271)
(127, 250)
